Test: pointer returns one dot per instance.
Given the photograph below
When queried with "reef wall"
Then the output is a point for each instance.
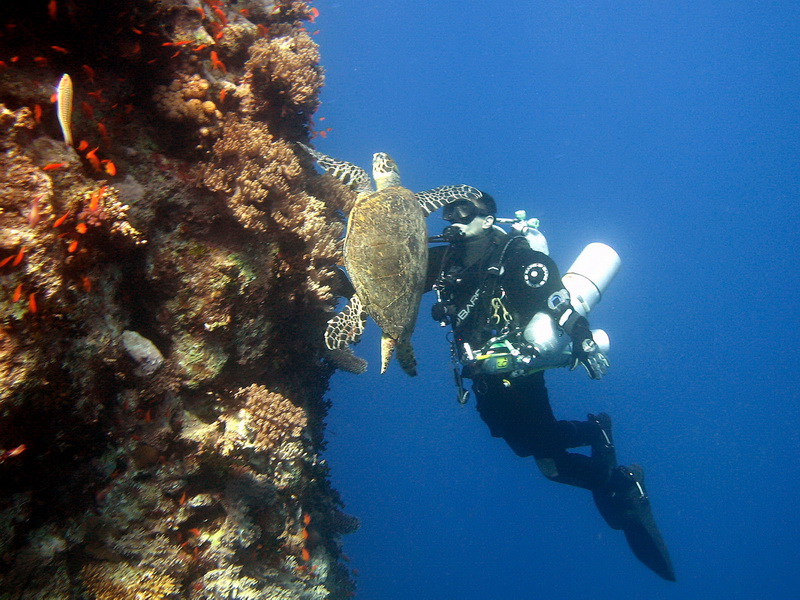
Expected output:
(164, 284)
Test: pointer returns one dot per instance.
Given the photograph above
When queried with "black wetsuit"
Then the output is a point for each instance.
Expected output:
(516, 409)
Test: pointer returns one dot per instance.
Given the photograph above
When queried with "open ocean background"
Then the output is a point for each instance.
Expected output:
(670, 131)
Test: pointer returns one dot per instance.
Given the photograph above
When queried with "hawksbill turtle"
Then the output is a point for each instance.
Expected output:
(385, 255)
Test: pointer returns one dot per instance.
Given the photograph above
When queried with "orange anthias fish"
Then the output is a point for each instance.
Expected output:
(15, 451)
(19, 257)
(60, 220)
(220, 15)
(91, 156)
(88, 110)
(94, 201)
(217, 63)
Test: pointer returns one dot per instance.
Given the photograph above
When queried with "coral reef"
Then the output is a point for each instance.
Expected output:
(164, 285)
(187, 99)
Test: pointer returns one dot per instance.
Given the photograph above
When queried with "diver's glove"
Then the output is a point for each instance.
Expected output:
(589, 355)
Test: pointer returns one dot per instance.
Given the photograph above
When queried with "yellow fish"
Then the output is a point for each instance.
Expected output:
(64, 107)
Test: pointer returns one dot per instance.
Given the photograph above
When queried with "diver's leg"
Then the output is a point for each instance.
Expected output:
(570, 468)
(518, 410)
(594, 432)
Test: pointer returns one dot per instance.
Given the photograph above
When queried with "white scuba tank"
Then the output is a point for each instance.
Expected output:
(590, 275)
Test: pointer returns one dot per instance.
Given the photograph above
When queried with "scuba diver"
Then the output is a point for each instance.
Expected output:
(511, 317)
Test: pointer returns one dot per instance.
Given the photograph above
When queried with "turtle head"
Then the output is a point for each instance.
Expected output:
(384, 171)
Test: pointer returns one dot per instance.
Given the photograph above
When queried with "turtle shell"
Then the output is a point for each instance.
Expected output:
(386, 256)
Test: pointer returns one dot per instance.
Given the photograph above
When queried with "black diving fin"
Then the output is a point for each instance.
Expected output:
(625, 505)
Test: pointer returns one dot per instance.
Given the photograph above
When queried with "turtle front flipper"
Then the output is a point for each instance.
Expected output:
(351, 175)
(436, 198)
(344, 329)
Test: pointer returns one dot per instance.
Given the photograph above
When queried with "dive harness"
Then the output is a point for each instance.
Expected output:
(506, 353)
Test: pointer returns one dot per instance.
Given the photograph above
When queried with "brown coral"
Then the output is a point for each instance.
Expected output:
(251, 166)
(263, 183)
(273, 418)
(122, 582)
(285, 68)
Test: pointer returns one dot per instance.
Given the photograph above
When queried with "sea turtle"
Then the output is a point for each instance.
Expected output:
(385, 255)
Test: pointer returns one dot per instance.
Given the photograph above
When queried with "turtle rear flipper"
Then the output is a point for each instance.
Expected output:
(406, 358)
(347, 361)
(436, 198)
(347, 327)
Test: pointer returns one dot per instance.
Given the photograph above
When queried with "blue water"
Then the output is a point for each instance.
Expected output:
(670, 132)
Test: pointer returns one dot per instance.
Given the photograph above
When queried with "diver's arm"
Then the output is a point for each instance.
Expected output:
(435, 263)
(585, 350)
(534, 285)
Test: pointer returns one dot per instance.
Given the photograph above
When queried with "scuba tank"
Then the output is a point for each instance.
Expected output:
(590, 275)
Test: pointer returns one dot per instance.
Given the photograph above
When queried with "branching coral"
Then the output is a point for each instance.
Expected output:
(122, 582)
(272, 418)
(284, 68)
(230, 583)
(261, 177)
(251, 167)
